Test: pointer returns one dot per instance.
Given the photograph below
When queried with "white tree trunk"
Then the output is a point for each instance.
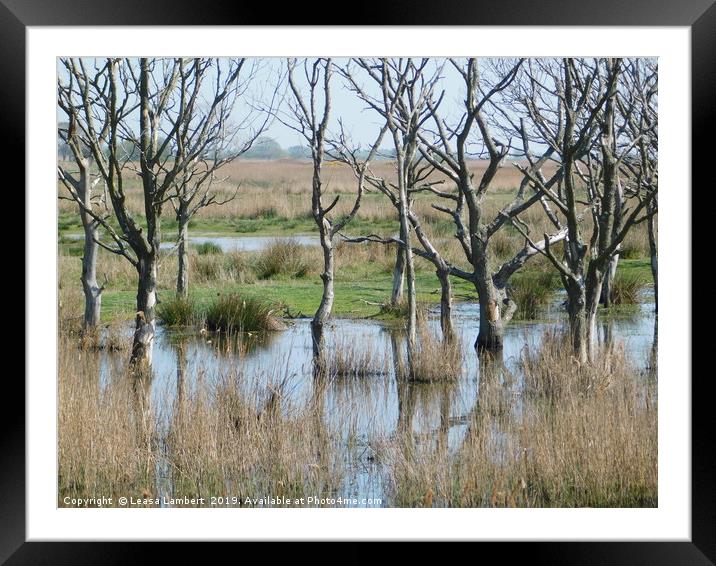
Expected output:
(491, 334)
(654, 257)
(183, 253)
(92, 291)
(326, 306)
(396, 296)
(410, 276)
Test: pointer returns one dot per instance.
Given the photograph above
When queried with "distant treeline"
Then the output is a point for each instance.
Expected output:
(263, 148)
(268, 148)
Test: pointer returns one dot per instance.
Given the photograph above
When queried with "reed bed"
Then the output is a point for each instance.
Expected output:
(589, 442)
(348, 357)
(561, 435)
(179, 311)
(212, 438)
(434, 358)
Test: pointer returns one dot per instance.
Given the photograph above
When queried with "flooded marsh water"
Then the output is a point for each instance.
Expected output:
(232, 243)
(365, 413)
(361, 431)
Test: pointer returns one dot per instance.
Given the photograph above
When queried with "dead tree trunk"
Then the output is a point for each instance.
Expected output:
(92, 291)
(326, 306)
(594, 281)
(312, 124)
(576, 309)
(491, 335)
(654, 252)
(183, 252)
(396, 295)
(145, 322)
(81, 191)
(445, 305)
(449, 154)
(611, 270)
(608, 283)
(409, 269)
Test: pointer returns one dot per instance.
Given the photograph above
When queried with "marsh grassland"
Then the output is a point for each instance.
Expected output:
(235, 407)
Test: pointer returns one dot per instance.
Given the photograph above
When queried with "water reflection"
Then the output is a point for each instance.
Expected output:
(230, 243)
(362, 410)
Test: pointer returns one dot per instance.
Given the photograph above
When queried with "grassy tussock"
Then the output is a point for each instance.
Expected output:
(70, 308)
(232, 267)
(400, 310)
(110, 337)
(504, 245)
(178, 311)
(636, 243)
(552, 372)
(627, 288)
(435, 359)
(283, 256)
(208, 248)
(362, 254)
(349, 358)
(532, 293)
(234, 313)
(208, 268)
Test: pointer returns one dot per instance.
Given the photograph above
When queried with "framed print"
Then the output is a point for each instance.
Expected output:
(393, 280)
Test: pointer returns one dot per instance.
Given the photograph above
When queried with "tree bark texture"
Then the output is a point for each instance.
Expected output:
(183, 255)
(145, 322)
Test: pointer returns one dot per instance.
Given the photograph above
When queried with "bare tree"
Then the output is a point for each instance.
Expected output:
(80, 186)
(310, 113)
(104, 102)
(447, 148)
(571, 106)
(208, 90)
(637, 101)
(401, 94)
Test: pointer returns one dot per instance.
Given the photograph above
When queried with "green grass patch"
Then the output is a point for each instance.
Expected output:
(360, 288)
(640, 267)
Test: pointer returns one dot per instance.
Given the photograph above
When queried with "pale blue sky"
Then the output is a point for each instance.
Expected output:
(361, 123)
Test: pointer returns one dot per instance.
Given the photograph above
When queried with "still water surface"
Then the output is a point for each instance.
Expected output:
(376, 403)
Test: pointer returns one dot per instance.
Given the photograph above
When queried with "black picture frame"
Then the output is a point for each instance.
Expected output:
(699, 15)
